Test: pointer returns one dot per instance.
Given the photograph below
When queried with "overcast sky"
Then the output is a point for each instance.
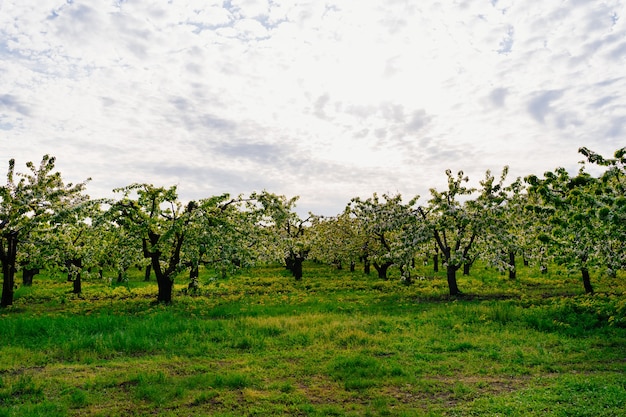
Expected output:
(327, 100)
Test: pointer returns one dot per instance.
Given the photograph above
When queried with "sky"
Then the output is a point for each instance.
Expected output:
(326, 100)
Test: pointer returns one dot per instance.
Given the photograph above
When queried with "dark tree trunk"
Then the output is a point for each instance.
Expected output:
(352, 266)
(120, 277)
(27, 276)
(436, 262)
(146, 277)
(68, 266)
(466, 268)
(512, 271)
(289, 263)
(366, 266)
(165, 290)
(382, 269)
(451, 275)
(8, 267)
(586, 280)
(294, 264)
(164, 282)
(77, 287)
(194, 273)
(297, 268)
(74, 275)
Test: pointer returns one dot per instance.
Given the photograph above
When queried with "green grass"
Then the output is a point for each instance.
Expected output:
(334, 343)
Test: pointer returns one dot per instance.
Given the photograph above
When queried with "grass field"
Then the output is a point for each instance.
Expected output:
(333, 344)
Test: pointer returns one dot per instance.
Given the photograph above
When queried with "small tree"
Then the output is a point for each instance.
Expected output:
(74, 239)
(575, 234)
(611, 198)
(221, 235)
(156, 216)
(282, 233)
(27, 205)
(456, 221)
(336, 240)
(387, 228)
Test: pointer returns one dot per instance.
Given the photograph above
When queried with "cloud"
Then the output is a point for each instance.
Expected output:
(617, 127)
(603, 101)
(326, 100)
(497, 96)
(11, 103)
(418, 121)
(320, 104)
(540, 105)
(263, 153)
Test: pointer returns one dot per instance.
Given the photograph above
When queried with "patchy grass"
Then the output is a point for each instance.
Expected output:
(334, 343)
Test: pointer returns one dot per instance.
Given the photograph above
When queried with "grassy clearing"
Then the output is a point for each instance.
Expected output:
(335, 344)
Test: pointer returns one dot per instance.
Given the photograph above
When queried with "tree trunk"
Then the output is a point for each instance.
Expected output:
(165, 283)
(27, 276)
(194, 272)
(352, 266)
(8, 268)
(338, 265)
(512, 271)
(68, 266)
(165, 290)
(77, 289)
(74, 274)
(146, 277)
(382, 269)
(436, 262)
(466, 268)
(366, 266)
(586, 280)
(289, 263)
(297, 268)
(451, 275)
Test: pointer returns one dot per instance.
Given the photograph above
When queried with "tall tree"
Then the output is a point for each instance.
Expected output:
(28, 202)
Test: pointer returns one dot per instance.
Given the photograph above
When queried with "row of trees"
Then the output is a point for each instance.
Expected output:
(578, 220)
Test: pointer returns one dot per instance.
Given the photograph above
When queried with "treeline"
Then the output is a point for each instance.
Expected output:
(578, 220)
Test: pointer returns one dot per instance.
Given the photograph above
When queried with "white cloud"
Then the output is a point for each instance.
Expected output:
(326, 100)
